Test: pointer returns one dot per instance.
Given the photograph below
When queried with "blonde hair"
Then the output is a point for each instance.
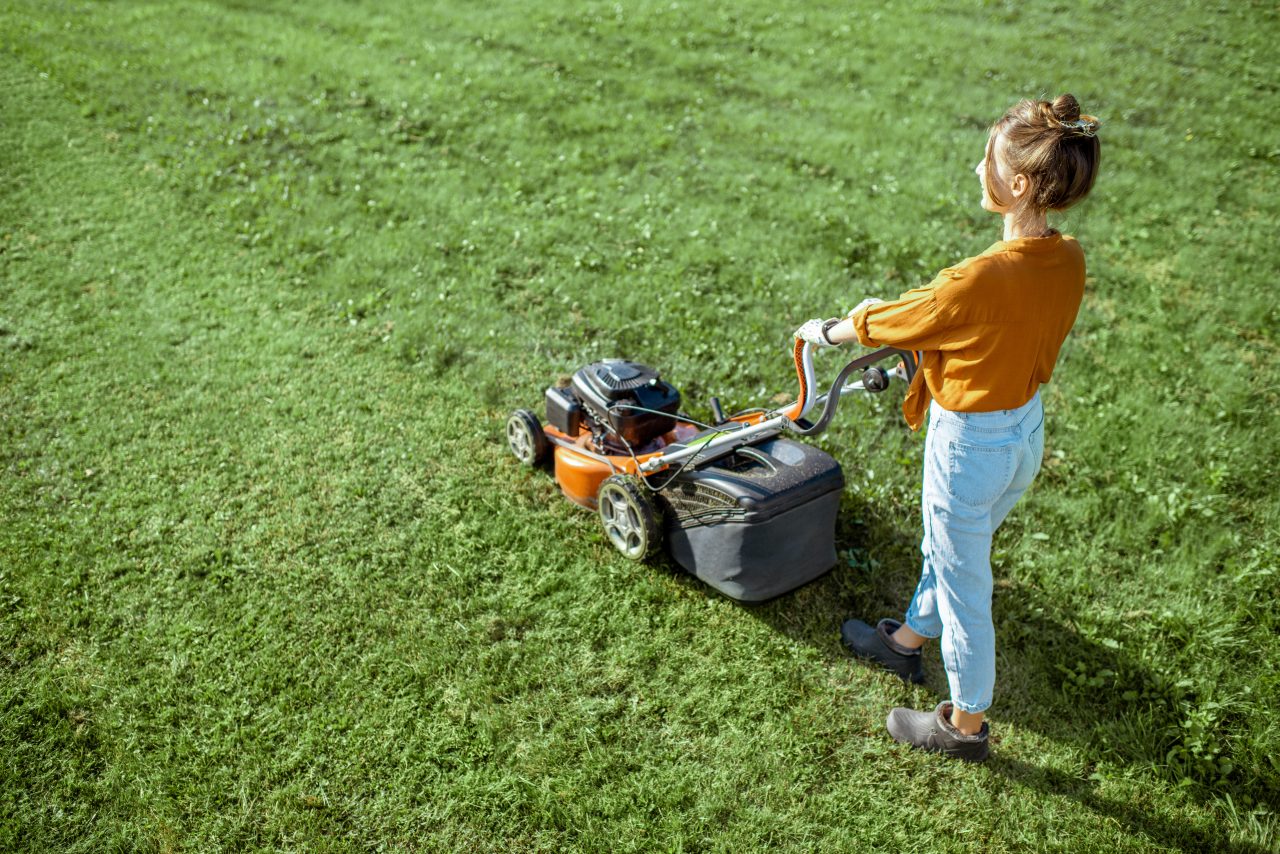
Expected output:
(1053, 145)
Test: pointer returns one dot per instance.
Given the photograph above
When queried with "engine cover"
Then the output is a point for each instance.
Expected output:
(609, 388)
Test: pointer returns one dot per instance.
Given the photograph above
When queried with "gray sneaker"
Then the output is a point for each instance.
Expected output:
(874, 644)
(933, 731)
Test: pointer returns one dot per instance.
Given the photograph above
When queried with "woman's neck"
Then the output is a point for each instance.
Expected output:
(1025, 223)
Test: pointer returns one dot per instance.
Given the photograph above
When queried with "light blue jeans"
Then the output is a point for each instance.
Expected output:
(976, 467)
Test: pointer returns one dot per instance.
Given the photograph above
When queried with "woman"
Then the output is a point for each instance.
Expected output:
(988, 330)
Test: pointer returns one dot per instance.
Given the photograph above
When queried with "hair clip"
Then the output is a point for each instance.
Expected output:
(1086, 127)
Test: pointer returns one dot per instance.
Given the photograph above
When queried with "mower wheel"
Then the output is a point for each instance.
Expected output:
(630, 517)
(525, 437)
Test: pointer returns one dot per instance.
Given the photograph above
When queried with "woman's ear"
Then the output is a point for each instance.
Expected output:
(1019, 185)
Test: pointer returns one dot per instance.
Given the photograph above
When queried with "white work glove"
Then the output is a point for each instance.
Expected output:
(860, 306)
(814, 332)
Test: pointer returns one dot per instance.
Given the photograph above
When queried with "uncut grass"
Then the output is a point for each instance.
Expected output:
(274, 581)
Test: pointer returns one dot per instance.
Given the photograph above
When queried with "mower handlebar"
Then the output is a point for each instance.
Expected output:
(804, 369)
(783, 419)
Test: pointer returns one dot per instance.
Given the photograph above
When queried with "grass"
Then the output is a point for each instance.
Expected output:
(274, 275)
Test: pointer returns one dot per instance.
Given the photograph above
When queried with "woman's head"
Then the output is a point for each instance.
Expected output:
(1042, 154)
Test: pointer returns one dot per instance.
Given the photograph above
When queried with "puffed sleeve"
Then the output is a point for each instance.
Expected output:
(916, 320)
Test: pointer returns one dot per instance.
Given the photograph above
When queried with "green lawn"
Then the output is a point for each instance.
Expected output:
(272, 276)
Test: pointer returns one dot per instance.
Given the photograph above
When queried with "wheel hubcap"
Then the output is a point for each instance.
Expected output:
(622, 523)
(520, 441)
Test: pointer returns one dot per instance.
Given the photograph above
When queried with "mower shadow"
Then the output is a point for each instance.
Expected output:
(1036, 639)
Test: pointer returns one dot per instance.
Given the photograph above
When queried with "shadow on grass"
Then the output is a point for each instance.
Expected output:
(1162, 831)
(1074, 690)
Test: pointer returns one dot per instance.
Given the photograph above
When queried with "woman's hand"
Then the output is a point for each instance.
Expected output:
(815, 332)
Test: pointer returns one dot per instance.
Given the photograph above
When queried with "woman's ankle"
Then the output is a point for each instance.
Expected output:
(906, 638)
(968, 723)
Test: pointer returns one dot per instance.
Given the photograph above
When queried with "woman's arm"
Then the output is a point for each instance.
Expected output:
(842, 331)
(914, 321)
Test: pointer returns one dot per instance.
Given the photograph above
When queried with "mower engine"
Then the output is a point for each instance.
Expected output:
(624, 405)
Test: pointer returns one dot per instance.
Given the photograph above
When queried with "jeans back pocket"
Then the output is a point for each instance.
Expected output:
(979, 474)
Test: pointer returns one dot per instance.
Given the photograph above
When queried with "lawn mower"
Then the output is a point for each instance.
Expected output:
(739, 505)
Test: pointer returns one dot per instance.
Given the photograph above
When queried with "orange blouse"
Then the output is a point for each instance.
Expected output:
(990, 328)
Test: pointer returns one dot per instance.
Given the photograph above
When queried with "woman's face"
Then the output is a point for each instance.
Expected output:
(1004, 185)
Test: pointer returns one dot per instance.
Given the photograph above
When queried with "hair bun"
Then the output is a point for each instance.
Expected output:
(1066, 108)
(1053, 145)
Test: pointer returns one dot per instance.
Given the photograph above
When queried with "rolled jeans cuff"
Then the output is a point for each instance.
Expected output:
(909, 623)
(971, 708)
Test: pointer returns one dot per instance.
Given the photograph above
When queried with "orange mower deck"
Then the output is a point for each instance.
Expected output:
(579, 470)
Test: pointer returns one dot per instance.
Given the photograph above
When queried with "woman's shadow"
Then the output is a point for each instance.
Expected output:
(1044, 661)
